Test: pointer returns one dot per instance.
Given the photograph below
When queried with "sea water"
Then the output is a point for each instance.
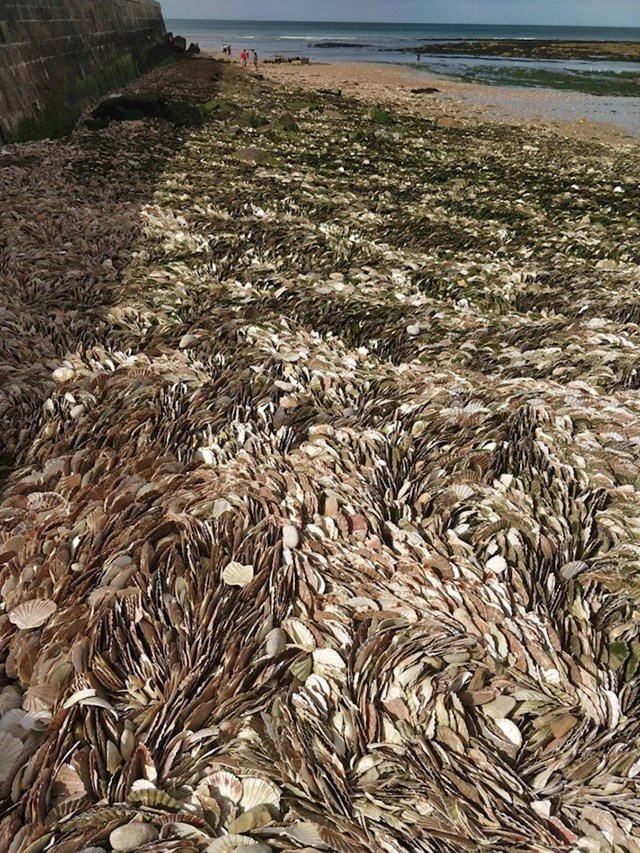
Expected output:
(394, 43)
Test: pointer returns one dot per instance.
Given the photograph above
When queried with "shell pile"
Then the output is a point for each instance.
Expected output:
(320, 499)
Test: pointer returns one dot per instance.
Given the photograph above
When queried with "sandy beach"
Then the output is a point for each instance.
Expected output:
(570, 114)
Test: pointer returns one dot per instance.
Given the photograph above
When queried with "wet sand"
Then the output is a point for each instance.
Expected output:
(570, 114)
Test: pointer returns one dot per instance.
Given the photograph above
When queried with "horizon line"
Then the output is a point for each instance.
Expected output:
(401, 23)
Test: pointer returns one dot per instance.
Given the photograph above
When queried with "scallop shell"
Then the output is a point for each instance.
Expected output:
(300, 634)
(45, 501)
(290, 536)
(229, 843)
(153, 797)
(10, 750)
(258, 792)
(276, 640)
(497, 564)
(32, 614)
(237, 574)
(328, 658)
(227, 785)
(12, 721)
(133, 835)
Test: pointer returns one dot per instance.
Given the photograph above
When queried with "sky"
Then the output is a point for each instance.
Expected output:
(613, 13)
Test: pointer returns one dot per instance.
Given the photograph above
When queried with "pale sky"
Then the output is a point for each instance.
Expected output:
(614, 13)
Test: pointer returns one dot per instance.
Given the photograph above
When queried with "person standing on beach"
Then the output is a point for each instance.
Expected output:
(243, 58)
(255, 59)
(417, 59)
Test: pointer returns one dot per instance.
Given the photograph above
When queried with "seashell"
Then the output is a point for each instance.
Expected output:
(236, 574)
(571, 570)
(290, 536)
(40, 697)
(150, 795)
(12, 722)
(253, 818)
(258, 792)
(11, 749)
(510, 731)
(45, 501)
(32, 614)
(133, 835)
(499, 707)
(63, 374)
(497, 564)
(227, 785)
(299, 633)
(329, 658)
(220, 506)
(229, 843)
(37, 721)
(187, 340)
(275, 642)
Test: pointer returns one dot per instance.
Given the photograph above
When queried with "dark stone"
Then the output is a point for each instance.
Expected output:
(425, 90)
(286, 123)
(255, 155)
(337, 93)
(193, 48)
(136, 107)
(179, 44)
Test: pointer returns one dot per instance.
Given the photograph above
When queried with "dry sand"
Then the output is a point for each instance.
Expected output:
(562, 112)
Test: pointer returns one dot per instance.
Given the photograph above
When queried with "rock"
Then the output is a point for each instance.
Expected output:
(448, 123)
(179, 44)
(250, 118)
(337, 93)
(286, 123)
(137, 107)
(425, 90)
(255, 155)
(413, 330)
(132, 835)
(193, 48)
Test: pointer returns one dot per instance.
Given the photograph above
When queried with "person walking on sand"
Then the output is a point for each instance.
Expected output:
(255, 59)
(243, 58)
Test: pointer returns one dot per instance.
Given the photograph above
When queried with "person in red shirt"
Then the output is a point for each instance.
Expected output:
(243, 58)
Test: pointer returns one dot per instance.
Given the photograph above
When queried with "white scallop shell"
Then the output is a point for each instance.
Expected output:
(11, 721)
(290, 536)
(10, 750)
(497, 564)
(258, 792)
(227, 785)
(237, 574)
(32, 614)
(328, 657)
(299, 633)
(276, 640)
(228, 843)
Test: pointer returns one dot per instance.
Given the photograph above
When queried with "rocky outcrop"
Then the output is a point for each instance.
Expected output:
(57, 55)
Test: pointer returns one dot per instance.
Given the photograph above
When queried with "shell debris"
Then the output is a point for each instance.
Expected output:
(319, 502)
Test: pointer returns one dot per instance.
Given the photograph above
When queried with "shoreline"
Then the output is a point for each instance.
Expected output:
(458, 100)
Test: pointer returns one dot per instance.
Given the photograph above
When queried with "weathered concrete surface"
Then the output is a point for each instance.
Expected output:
(56, 55)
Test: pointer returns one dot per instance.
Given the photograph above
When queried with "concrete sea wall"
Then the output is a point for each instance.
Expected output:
(57, 55)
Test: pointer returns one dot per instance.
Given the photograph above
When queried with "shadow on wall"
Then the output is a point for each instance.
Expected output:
(51, 66)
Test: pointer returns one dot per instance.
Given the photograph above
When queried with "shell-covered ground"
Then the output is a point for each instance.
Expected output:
(320, 486)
